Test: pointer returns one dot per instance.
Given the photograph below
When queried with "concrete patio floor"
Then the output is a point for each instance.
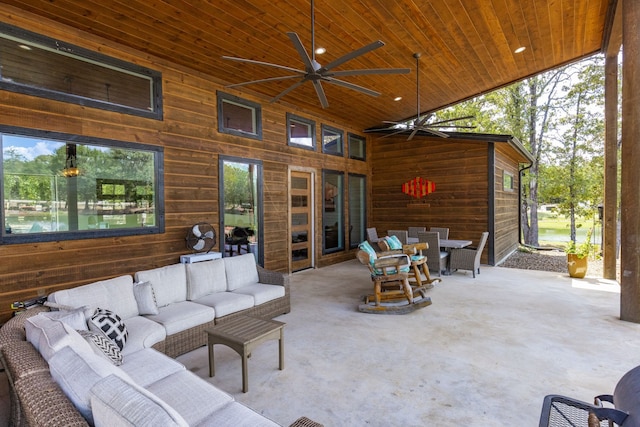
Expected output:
(485, 352)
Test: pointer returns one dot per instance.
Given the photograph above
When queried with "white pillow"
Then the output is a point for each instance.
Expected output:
(145, 297)
(48, 336)
(74, 318)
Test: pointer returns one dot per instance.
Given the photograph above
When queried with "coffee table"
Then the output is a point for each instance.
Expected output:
(243, 334)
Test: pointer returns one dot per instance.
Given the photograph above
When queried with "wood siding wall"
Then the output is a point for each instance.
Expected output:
(507, 211)
(192, 147)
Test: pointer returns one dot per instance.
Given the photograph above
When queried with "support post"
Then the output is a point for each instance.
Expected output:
(610, 208)
(630, 199)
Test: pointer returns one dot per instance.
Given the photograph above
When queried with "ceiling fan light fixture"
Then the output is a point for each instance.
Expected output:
(320, 51)
(520, 49)
(397, 98)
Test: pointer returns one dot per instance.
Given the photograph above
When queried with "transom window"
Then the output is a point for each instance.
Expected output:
(41, 66)
(332, 141)
(238, 116)
(301, 132)
(62, 187)
(357, 147)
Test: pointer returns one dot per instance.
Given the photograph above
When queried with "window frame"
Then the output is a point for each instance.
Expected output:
(507, 181)
(363, 140)
(312, 129)
(77, 52)
(338, 208)
(159, 208)
(256, 108)
(352, 177)
(340, 133)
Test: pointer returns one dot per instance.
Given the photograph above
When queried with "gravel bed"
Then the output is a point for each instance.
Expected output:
(547, 260)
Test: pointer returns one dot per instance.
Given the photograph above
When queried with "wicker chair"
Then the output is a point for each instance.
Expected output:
(436, 259)
(442, 231)
(402, 235)
(468, 258)
(413, 231)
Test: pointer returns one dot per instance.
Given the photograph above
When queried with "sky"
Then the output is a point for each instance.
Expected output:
(30, 148)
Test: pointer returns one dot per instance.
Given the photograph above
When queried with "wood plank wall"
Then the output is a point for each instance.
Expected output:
(192, 147)
(506, 215)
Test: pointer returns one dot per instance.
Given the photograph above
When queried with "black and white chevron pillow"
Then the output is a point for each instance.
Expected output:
(103, 346)
(110, 325)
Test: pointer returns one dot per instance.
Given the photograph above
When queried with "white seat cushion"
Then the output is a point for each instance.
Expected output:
(226, 302)
(169, 283)
(143, 333)
(261, 293)
(148, 366)
(241, 271)
(237, 415)
(181, 316)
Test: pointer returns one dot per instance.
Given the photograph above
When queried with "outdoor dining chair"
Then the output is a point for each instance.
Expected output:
(468, 258)
(413, 231)
(403, 235)
(436, 259)
(442, 231)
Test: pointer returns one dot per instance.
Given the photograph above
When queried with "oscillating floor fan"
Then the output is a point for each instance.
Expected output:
(201, 237)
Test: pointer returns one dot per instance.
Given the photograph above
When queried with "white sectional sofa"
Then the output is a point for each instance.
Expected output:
(102, 356)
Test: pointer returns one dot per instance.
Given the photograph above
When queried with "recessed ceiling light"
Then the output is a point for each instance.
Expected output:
(24, 46)
(520, 49)
(397, 98)
(320, 51)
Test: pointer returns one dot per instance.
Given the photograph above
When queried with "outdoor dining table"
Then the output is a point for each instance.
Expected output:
(449, 244)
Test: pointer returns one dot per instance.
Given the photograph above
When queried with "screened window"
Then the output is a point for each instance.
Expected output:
(333, 211)
(301, 132)
(238, 116)
(41, 66)
(62, 187)
(357, 209)
(332, 140)
(357, 147)
(507, 181)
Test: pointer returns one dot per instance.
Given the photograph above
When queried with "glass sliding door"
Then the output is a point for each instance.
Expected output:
(332, 211)
(357, 209)
(241, 207)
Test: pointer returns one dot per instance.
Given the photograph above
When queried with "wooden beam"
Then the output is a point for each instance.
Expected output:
(630, 200)
(610, 211)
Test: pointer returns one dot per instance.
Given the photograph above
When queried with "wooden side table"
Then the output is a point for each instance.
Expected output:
(243, 335)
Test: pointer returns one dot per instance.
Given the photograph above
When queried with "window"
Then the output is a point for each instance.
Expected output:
(357, 147)
(63, 187)
(332, 140)
(238, 116)
(41, 66)
(332, 211)
(507, 181)
(357, 209)
(301, 132)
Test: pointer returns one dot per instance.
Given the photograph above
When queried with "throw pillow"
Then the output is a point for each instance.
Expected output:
(74, 317)
(110, 325)
(103, 346)
(394, 242)
(145, 297)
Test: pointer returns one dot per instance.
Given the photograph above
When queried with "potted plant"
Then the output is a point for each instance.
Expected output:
(578, 256)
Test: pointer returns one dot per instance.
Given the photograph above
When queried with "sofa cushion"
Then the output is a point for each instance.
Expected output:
(169, 283)
(237, 415)
(261, 293)
(180, 316)
(103, 346)
(110, 325)
(74, 318)
(143, 333)
(241, 271)
(48, 336)
(204, 278)
(113, 294)
(148, 365)
(193, 398)
(77, 373)
(227, 302)
(117, 403)
(145, 297)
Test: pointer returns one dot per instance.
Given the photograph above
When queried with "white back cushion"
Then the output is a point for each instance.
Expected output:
(204, 278)
(113, 294)
(48, 336)
(169, 283)
(241, 271)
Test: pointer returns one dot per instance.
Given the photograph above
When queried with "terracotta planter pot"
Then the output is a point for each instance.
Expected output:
(577, 266)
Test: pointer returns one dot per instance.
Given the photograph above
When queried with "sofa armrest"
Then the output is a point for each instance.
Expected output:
(269, 277)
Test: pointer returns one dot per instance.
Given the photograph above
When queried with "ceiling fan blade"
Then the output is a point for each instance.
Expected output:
(393, 133)
(422, 121)
(369, 71)
(320, 92)
(271, 79)
(413, 133)
(268, 64)
(302, 52)
(351, 55)
(436, 132)
(457, 127)
(451, 120)
(351, 86)
(287, 90)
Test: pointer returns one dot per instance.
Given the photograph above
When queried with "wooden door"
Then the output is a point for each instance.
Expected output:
(301, 221)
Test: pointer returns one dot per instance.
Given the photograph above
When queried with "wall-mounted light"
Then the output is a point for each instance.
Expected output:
(71, 162)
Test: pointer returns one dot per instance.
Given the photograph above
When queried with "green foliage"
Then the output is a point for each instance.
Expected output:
(582, 250)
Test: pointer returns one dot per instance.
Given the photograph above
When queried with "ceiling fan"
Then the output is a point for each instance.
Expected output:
(315, 73)
(420, 124)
